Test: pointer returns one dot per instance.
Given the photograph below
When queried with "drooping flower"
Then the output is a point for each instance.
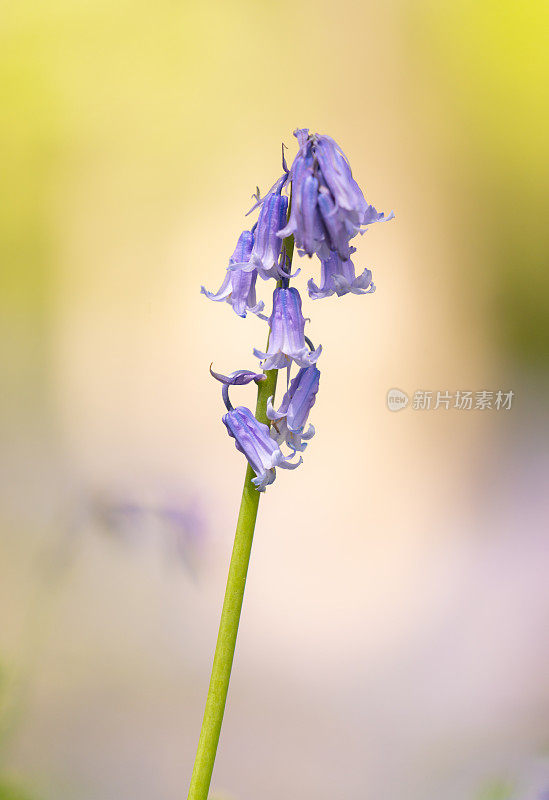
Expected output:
(267, 244)
(289, 421)
(253, 439)
(337, 276)
(338, 177)
(238, 287)
(287, 336)
(328, 206)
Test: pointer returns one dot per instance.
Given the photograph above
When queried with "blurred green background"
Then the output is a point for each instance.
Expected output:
(393, 642)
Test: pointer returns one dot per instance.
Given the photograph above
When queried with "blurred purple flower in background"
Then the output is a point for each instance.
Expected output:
(180, 525)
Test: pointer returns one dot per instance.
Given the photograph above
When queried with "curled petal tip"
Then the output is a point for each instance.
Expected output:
(239, 377)
(287, 464)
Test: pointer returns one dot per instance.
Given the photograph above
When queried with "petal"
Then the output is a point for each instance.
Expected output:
(223, 292)
(271, 413)
(303, 391)
(342, 285)
(317, 294)
(363, 283)
(287, 464)
(243, 248)
(264, 479)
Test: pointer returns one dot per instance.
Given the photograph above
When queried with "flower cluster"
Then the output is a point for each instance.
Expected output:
(327, 210)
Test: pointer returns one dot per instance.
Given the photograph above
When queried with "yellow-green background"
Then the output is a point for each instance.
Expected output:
(393, 643)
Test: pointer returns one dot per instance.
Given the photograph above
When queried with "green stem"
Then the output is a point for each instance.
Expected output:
(230, 617)
(232, 606)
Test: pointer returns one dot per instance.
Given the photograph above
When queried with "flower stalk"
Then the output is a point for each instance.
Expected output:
(232, 603)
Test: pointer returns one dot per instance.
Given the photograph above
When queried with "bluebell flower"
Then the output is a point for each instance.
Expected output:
(337, 276)
(253, 439)
(267, 244)
(238, 287)
(338, 177)
(287, 336)
(289, 421)
(328, 206)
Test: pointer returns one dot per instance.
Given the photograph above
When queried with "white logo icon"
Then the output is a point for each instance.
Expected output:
(397, 400)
